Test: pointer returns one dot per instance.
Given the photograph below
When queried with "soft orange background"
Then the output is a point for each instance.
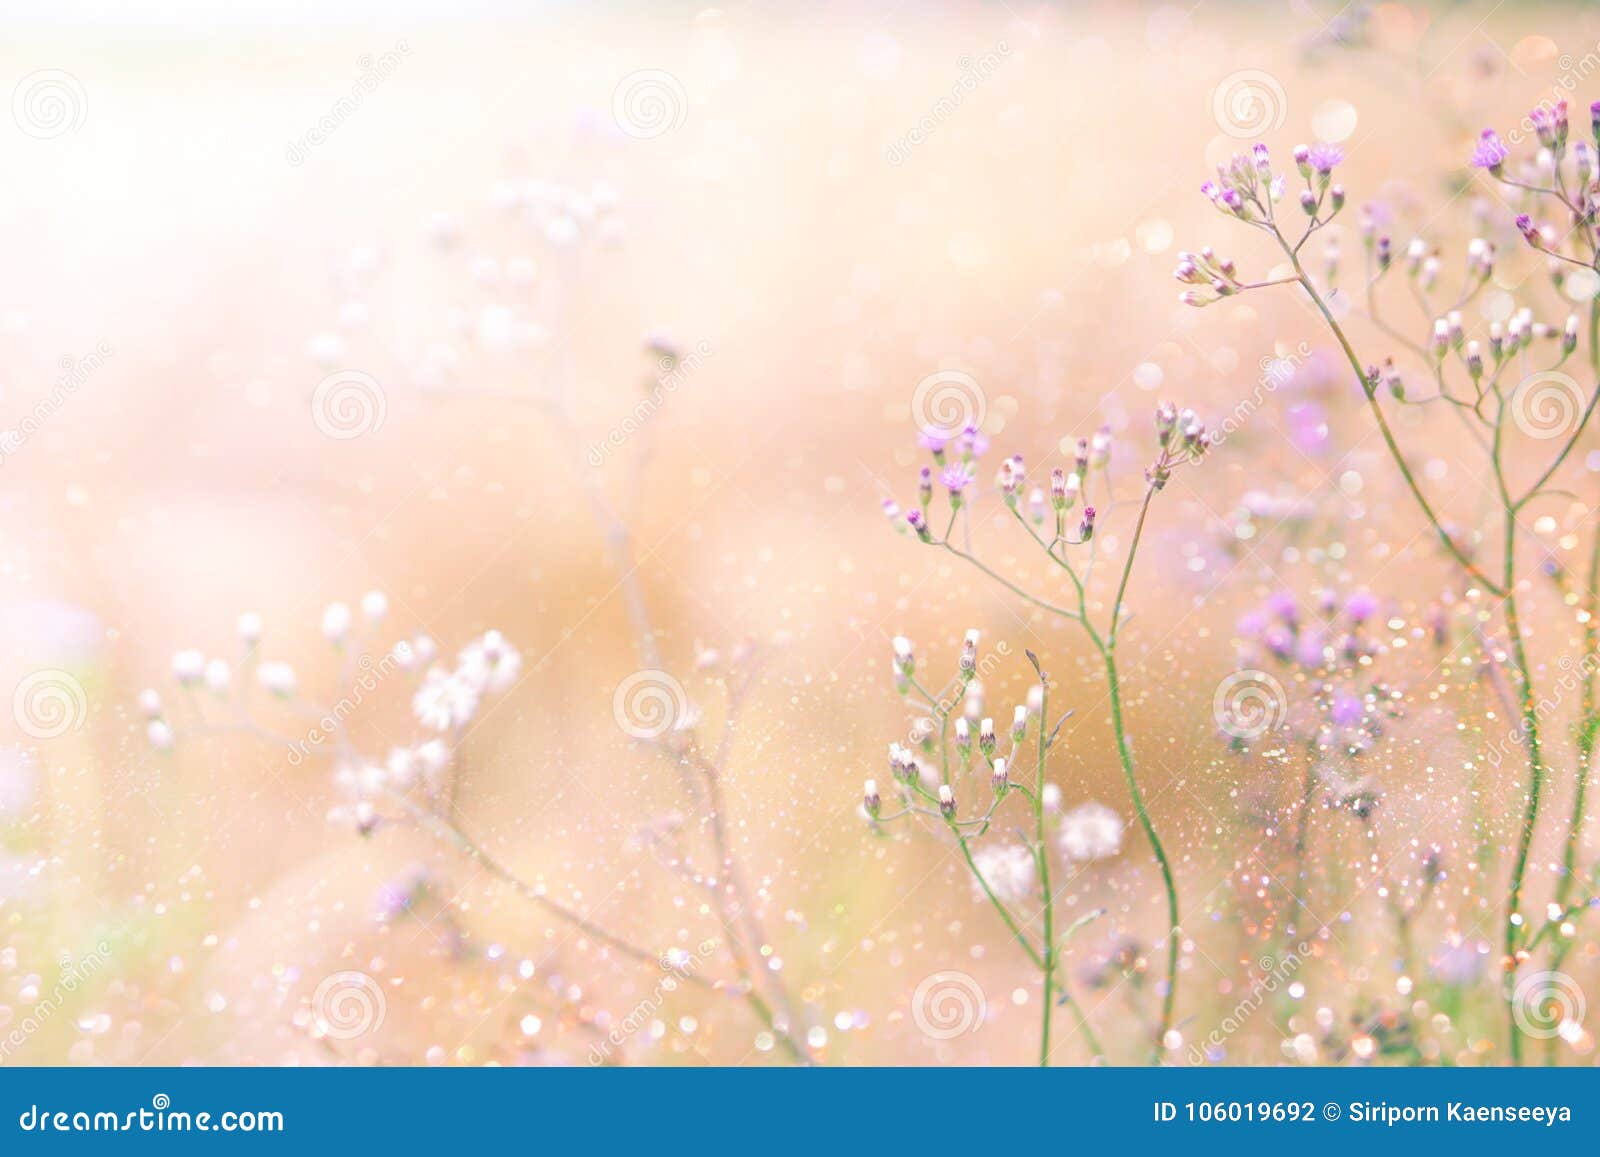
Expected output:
(1028, 241)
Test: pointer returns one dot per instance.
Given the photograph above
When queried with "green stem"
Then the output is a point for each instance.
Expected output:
(1049, 898)
(1383, 424)
(1125, 755)
(1530, 816)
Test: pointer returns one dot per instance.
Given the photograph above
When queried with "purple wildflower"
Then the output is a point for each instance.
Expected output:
(1491, 152)
(1324, 157)
(1529, 231)
(956, 478)
(1347, 711)
(1361, 606)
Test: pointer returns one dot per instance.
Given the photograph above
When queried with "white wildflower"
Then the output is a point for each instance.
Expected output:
(445, 700)
(1009, 869)
(489, 664)
(188, 667)
(1091, 831)
(277, 678)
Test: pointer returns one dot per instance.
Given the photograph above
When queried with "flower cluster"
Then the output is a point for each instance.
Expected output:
(1496, 385)
(1330, 650)
(985, 765)
(444, 700)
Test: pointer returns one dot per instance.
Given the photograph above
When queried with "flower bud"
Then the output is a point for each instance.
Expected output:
(870, 798)
(188, 667)
(1100, 447)
(374, 606)
(336, 623)
(905, 661)
(969, 655)
(1086, 528)
(947, 801)
(1019, 723)
(998, 778)
(986, 737)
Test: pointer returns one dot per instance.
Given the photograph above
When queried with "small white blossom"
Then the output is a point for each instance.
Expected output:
(188, 667)
(160, 735)
(336, 622)
(1091, 831)
(218, 677)
(445, 700)
(277, 678)
(489, 664)
(374, 606)
(1009, 869)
